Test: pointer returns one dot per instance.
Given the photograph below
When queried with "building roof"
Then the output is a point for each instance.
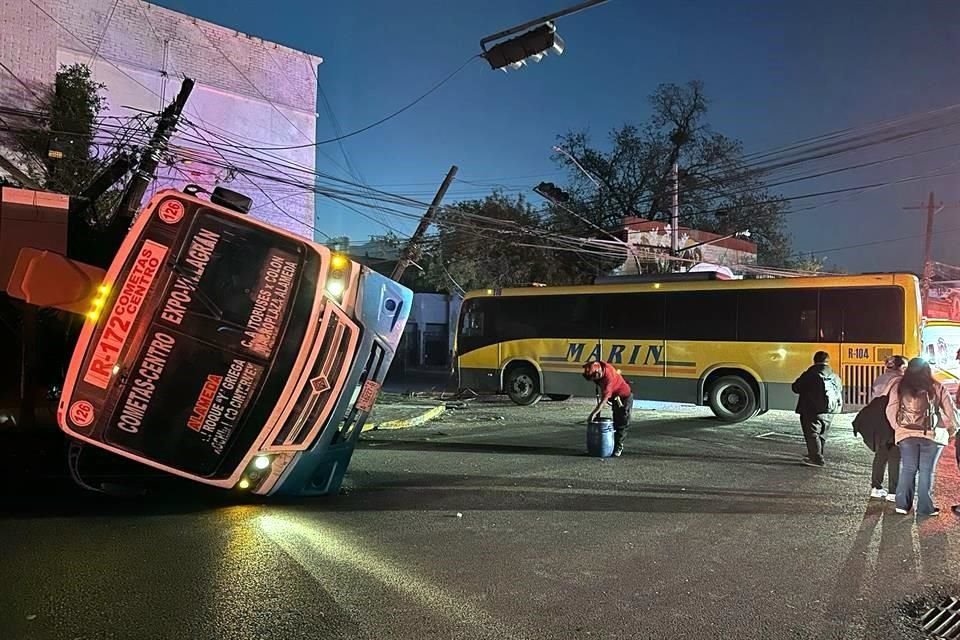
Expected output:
(641, 225)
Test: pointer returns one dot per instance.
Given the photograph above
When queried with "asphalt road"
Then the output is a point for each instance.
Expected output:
(492, 523)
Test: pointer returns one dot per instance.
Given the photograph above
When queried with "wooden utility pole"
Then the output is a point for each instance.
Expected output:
(927, 278)
(129, 206)
(411, 251)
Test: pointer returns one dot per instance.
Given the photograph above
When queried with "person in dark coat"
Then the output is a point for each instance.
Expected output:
(818, 388)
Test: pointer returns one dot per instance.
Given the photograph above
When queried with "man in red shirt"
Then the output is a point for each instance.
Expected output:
(612, 388)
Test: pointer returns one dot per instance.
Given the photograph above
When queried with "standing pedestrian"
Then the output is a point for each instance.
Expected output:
(923, 418)
(612, 388)
(878, 433)
(820, 396)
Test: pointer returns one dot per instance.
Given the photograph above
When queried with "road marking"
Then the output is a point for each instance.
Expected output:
(319, 548)
(776, 435)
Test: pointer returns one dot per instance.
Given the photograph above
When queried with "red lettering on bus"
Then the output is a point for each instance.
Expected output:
(121, 320)
(204, 402)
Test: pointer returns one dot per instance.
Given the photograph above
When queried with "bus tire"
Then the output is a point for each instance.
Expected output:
(733, 399)
(522, 385)
(559, 397)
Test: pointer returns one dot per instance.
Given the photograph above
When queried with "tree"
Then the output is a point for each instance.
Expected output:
(719, 191)
(498, 242)
(60, 151)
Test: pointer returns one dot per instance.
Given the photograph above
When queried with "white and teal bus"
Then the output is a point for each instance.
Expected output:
(232, 353)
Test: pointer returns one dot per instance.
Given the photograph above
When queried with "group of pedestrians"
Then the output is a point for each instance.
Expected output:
(909, 420)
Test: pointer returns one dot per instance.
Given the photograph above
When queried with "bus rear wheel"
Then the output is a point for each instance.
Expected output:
(733, 399)
(523, 386)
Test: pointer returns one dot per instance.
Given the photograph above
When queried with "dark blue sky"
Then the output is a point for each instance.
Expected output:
(775, 72)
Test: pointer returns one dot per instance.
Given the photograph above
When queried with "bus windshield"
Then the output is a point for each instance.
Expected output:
(941, 341)
(226, 306)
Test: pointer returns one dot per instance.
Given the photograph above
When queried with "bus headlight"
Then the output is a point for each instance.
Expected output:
(244, 484)
(339, 274)
(335, 288)
(261, 462)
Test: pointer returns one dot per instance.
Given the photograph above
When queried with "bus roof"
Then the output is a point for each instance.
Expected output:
(905, 280)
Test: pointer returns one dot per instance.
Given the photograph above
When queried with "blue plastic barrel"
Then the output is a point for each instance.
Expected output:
(600, 438)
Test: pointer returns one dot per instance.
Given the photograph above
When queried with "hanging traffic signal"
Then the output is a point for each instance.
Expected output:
(532, 45)
(552, 192)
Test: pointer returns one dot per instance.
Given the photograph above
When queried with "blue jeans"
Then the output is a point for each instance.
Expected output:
(917, 455)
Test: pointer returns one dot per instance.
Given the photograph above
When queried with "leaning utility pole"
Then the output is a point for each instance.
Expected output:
(411, 251)
(130, 202)
(927, 248)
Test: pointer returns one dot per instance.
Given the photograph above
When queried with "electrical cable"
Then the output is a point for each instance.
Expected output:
(378, 122)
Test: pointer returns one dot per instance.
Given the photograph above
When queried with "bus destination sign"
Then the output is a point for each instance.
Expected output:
(126, 308)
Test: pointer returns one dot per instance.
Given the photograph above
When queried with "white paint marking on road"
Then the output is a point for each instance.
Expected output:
(317, 549)
(917, 551)
(779, 435)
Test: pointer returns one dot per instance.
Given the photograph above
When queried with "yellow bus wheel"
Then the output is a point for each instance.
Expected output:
(733, 399)
(522, 384)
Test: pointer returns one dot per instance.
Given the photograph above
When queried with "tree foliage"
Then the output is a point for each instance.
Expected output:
(498, 242)
(630, 176)
(61, 153)
(719, 191)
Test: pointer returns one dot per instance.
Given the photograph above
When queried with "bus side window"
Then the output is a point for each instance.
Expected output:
(872, 314)
(777, 315)
(831, 315)
(631, 316)
(472, 320)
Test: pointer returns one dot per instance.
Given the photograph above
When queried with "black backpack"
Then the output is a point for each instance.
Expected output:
(872, 425)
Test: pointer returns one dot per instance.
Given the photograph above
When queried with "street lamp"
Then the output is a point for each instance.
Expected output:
(577, 164)
(534, 44)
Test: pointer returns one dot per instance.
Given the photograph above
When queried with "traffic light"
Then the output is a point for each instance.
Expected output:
(532, 45)
(552, 192)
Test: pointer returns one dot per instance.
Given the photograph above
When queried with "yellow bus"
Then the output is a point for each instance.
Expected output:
(735, 345)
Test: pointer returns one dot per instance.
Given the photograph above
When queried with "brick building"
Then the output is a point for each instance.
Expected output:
(255, 92)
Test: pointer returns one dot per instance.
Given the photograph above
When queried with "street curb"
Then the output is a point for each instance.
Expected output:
(426, 416)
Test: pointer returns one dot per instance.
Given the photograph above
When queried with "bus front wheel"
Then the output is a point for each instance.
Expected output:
(733, 399)
(523, 386)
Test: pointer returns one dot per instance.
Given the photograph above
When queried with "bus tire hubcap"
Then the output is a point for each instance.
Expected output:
(523, 385)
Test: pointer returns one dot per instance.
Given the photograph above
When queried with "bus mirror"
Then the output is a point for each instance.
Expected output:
(49, 279)
(231, 200)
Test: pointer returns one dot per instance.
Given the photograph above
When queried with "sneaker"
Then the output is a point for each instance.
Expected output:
(618, 451)
(813, 463)
(956, 509)
(890, 497)
(902, 512)
(932, 514)
(878, 493)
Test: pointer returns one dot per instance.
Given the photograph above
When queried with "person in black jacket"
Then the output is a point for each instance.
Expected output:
(818, 388)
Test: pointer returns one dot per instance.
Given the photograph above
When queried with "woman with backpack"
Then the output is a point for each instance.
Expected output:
(923, 418)
(871, 423)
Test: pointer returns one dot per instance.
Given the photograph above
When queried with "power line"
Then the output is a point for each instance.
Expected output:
(250, 82)
(103, 34)
(378, 122)
(21, 81)
(89, 48)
